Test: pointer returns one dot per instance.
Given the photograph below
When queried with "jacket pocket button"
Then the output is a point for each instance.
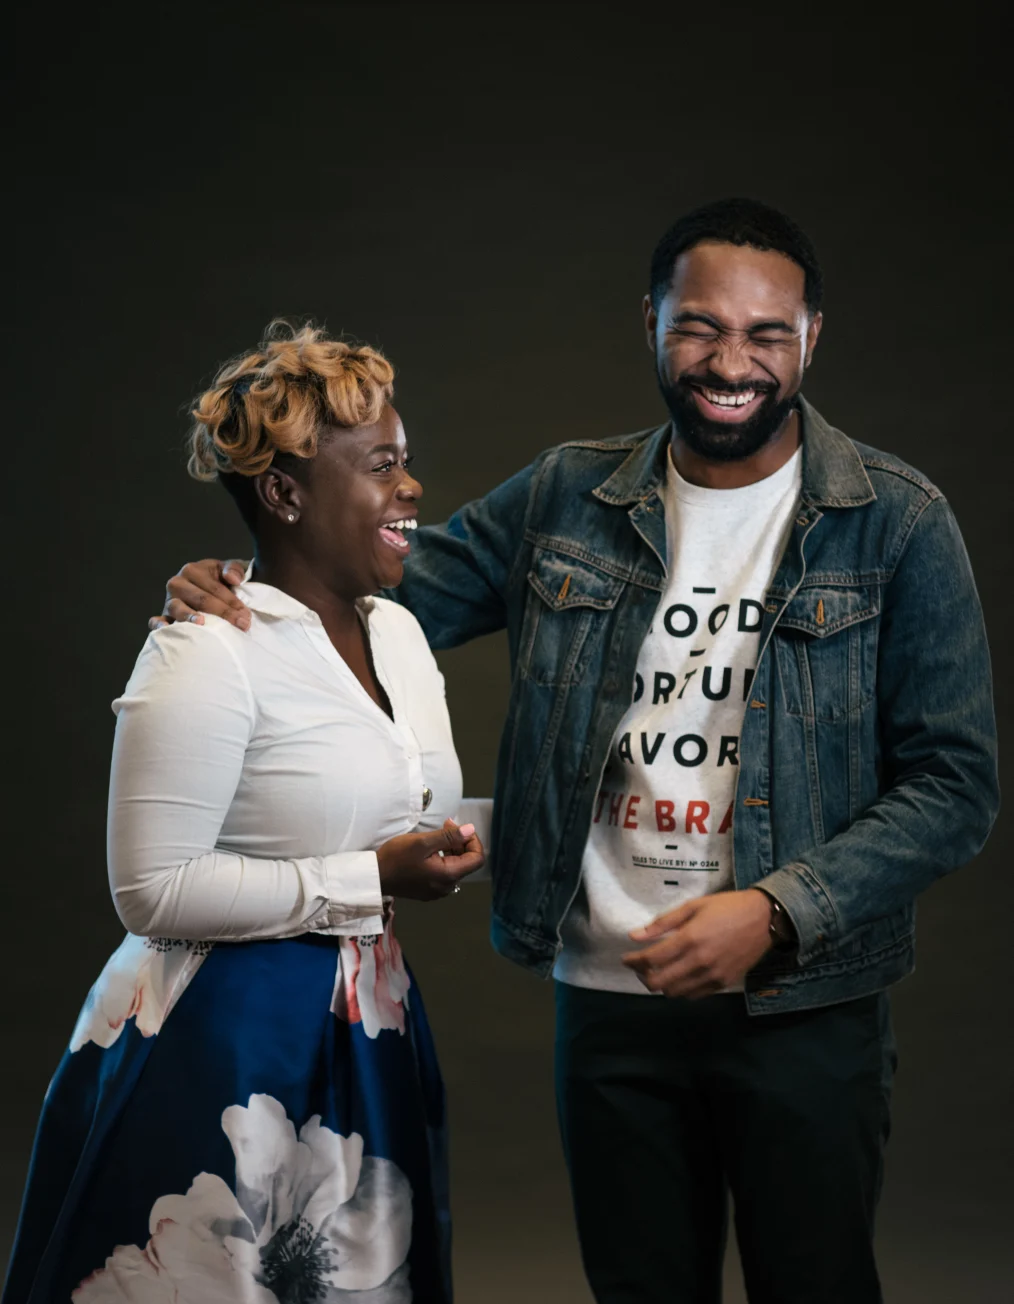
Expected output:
(427, 797)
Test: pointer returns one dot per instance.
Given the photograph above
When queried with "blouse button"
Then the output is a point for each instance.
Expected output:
(427, 798)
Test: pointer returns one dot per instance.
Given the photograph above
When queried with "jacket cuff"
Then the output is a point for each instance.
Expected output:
(355, 902)
(806, 902)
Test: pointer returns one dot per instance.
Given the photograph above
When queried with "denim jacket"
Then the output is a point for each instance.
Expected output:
(867, 751)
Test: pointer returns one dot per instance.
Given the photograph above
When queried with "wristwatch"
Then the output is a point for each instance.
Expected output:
(780, 926)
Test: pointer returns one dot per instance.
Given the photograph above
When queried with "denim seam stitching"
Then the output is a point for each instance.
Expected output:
(903, 473)
(813, 972)
(909, 529)
(575, 550)
(818, 889)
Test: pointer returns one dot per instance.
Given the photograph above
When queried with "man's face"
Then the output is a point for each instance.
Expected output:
(732, 339)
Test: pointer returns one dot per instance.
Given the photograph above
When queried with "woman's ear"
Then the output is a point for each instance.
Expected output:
(279, 495)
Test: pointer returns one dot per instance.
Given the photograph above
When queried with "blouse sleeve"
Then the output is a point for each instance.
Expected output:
(182, 729)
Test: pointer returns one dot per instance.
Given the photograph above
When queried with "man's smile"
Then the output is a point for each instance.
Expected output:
(726, 405)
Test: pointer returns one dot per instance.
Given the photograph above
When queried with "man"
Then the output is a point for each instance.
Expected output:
(750, 721)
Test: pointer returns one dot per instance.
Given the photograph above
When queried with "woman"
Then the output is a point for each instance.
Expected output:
(250, 1108)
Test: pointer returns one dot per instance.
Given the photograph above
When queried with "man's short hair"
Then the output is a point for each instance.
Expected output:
(738, 222)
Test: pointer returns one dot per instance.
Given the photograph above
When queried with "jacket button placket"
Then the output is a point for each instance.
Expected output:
(752, 858)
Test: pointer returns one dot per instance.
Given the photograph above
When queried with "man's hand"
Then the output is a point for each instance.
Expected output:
(203, 586)
(427, 866)
(705, 946)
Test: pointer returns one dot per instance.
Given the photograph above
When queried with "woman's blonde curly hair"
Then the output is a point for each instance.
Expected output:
(278, 399)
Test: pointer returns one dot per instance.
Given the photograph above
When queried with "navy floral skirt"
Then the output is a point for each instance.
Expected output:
(261, 1121)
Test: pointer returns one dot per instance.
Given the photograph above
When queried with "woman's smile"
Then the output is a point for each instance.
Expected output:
(394, 533)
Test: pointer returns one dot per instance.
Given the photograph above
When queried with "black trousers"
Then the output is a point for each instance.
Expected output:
(666, 1106)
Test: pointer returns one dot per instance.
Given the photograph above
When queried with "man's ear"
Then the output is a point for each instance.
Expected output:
(279, 495)
(650, 321)
(812, 331)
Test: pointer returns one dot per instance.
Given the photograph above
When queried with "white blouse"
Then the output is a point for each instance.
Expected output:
(253, 777)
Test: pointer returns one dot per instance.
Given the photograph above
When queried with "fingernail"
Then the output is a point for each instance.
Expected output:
(467, 830)
(197, 620)
(638, 933)
(244, 620)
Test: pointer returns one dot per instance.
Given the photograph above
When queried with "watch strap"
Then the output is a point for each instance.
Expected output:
(780, 925)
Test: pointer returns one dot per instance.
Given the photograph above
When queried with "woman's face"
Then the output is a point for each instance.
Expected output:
(358, 507)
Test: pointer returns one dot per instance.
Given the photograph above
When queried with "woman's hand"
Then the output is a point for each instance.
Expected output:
(204, 586)
(412, 865)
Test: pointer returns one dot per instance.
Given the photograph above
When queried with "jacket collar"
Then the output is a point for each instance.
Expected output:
(640, 473)
(833, 471)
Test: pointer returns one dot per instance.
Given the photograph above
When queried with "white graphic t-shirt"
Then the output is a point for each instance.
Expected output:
(661, 830)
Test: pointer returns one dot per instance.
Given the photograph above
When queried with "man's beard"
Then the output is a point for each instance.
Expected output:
(720, 441)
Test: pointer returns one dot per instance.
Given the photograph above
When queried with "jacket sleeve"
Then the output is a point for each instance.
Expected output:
(182, 729)
(940, 792)
(456, 576)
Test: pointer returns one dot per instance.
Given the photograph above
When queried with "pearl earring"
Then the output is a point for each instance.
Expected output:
(291, 517)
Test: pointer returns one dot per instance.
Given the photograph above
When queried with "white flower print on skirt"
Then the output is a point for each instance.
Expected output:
(233, 1126)
(311, 1219)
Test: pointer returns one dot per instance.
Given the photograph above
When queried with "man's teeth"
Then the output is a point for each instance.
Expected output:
(729, 400)
(410, 524)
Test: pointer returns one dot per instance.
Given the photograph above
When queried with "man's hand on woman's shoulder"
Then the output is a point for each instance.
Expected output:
(202, 587)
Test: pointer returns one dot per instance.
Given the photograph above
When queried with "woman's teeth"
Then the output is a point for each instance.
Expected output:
(729, 400)
(393, 533)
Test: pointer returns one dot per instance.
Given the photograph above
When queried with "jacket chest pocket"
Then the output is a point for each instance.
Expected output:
(825, 647)
(565, 599)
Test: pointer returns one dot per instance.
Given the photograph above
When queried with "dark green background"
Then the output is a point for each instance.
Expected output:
(477, 189)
